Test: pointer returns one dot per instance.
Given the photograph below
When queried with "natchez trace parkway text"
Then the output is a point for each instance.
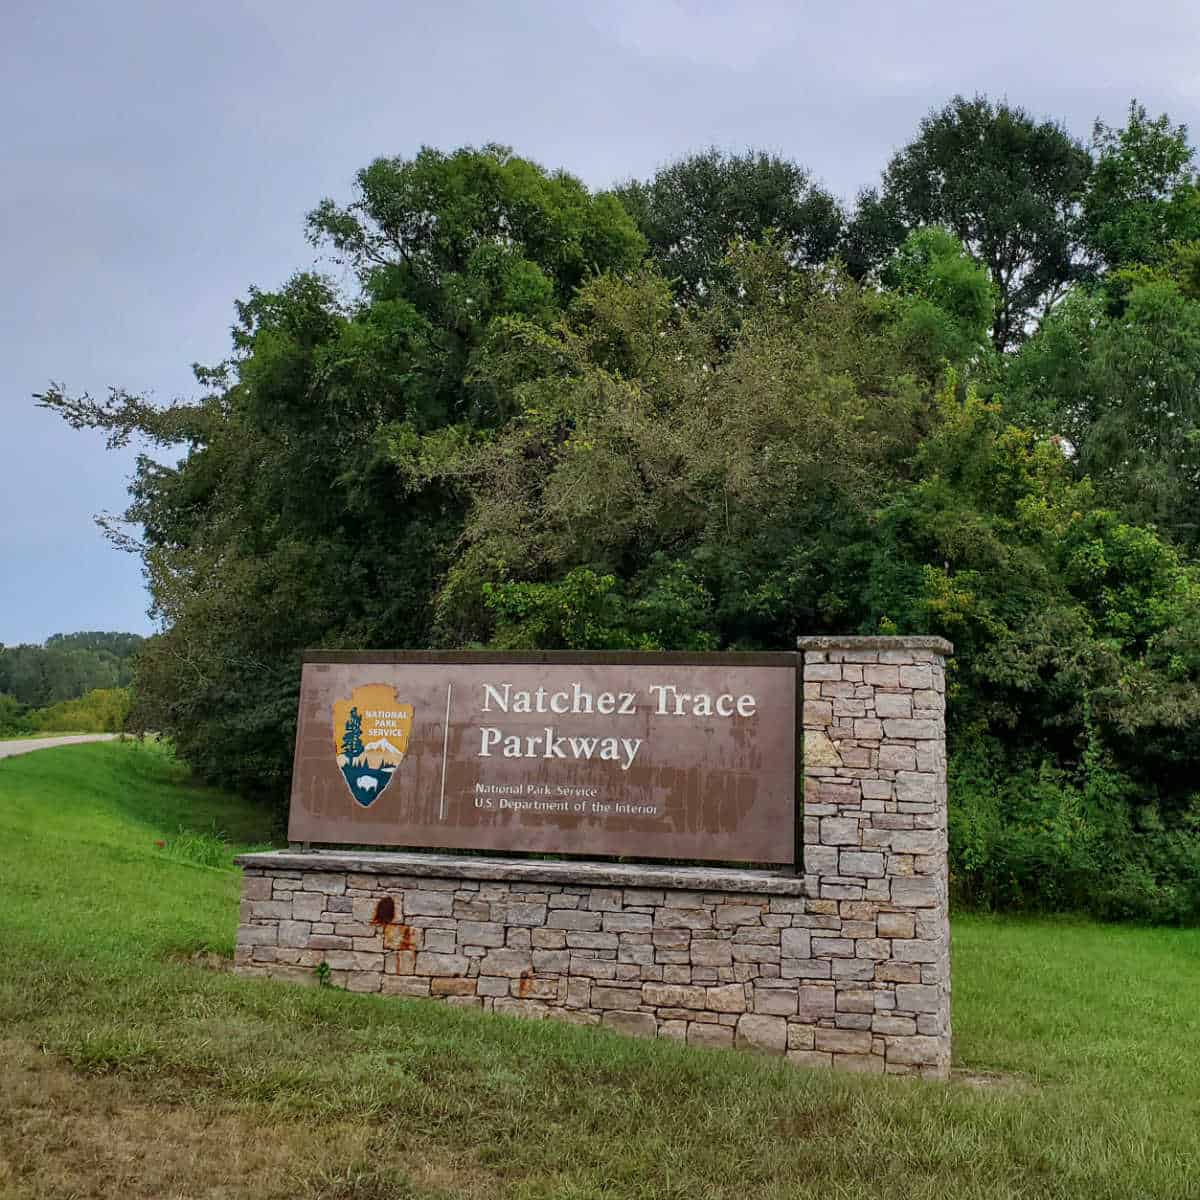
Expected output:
(666, 701)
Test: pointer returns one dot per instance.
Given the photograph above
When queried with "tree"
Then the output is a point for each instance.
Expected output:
(691, 211)
(285, 523)
(1123, 389)
(1143, 197)
(944, 298)
(1008, 186)
(352, 743)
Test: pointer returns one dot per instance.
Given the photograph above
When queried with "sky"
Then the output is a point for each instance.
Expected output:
(158, 160)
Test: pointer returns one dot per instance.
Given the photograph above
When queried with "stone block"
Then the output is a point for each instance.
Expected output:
(881, 676)
(753, 952)
(916, 1051)
(844, 1041)
(814, 1002)
(570, 918)
(582, 940)
(918, 841)
(839, 831)
(452, 986)
(294, 933)
(886, 1024)
(738, 914)
(306, 906)
(916, 677)
(709, 952)
(726, 998)
(443, 964)
(779, 1002)
(897, 758)
(593, 968)
(760, 1033)
(331, 883)
(510, 963)
(893, 704)
(918, 998)
(795, 943)
(551, 962)
(821, 860)
(615, 997)
(919, 892)
(404, 985)
(428, 904)
(480, 933)
(627, 922)
(683, 918)
(832, 947)
(867, 729)
(403, 937)
(256, 887)
(913, 730)
(856, 1000)
(865, 864)
(663, 995)
(709, 1037)
(530, 914)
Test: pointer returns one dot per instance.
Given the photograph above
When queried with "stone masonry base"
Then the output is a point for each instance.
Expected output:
(710, 956)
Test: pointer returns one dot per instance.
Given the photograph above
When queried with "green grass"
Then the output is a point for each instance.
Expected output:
(123, 1051)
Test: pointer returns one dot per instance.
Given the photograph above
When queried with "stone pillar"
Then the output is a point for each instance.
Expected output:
(875, 852)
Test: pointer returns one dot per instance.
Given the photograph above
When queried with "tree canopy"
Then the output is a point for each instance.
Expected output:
(701, 411)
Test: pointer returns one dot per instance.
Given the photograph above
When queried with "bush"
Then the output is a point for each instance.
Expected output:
(103, 710)
(1041, 839)
(14, 718)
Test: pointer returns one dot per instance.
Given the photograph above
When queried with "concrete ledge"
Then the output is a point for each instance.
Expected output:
(937, 644)
(600, 874)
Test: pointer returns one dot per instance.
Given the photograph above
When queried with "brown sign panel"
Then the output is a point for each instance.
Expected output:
(646, 756)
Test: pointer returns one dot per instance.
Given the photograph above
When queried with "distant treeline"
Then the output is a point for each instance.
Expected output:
(67, 666)
(75, 681)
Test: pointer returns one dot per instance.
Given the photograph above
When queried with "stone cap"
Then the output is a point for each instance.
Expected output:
(523, 870)
(938, 645)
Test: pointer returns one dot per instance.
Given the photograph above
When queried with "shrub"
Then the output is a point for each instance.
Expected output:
(103, 710)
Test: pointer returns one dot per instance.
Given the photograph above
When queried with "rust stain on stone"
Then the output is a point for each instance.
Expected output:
(385, 912)
(524, 985)
(399, 937)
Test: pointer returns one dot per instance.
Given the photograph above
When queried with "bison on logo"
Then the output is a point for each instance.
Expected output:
(370, 738)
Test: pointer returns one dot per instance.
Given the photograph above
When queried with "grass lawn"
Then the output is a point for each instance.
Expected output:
(128, 1070)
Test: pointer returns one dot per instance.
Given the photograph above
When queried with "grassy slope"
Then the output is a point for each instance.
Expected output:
(131, 1073)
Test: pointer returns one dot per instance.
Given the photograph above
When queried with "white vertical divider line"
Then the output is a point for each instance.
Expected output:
(445, 753)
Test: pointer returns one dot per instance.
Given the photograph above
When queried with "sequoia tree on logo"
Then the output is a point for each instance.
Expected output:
(370, 738)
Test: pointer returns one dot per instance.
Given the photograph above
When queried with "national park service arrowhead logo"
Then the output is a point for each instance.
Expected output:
(370, 739)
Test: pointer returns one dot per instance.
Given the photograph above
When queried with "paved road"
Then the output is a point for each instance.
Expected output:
(24, 745)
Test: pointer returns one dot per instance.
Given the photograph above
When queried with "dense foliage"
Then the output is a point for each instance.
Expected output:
(705, 412)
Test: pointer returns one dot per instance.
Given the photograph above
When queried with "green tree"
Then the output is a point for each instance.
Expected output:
(1007, 185)
(352, 743)
(693, 210)
(1143, 197)
(1123, 390)
(284, 522)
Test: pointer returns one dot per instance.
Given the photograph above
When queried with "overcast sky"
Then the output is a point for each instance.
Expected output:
(159, 158)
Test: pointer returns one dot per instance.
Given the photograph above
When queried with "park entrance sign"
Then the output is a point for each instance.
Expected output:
(668, 756)
(686, 897)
